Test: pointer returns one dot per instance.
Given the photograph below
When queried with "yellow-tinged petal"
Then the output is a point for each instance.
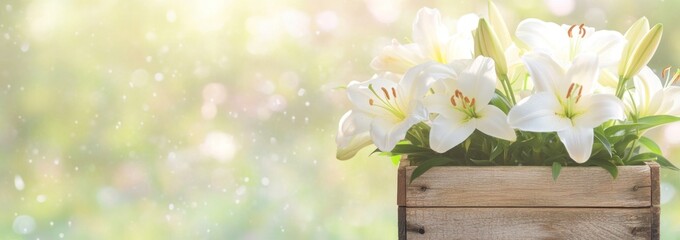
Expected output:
(634, 34)
(487, 44)
(643, 51)
(499, 26)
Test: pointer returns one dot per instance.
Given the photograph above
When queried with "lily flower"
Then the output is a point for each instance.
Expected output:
(565, 43)
(431, 42)
(564, 103)
(384, 108)
(651, 98)
(352, 135)
(461, 99)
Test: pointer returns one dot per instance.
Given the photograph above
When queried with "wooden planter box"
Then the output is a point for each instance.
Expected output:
(513, 202)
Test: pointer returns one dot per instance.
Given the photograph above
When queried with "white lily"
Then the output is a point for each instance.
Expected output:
(461, 99)
(651, 98)
(382, 109)
(565, 43)
(352, 135)
(431, 42)
(564, 103)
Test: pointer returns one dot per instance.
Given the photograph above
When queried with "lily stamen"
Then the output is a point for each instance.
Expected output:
(569, 31)
(370, 101)
(387, 95)
(394, 93)
(571, 87)
(582, 29)
(665, 72)
(580, 89)
(453, 100)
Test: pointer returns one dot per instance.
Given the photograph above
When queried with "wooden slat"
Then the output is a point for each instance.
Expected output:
(528, 223)
(530, 186)
(656, 201)
(401, 224)
(401, 181)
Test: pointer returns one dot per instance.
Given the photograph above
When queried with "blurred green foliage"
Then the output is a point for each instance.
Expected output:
(216, 119)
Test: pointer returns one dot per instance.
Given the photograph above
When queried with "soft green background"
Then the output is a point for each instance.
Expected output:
(168, 119)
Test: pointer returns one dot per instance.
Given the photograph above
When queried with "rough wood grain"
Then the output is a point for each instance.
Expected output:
(529, 186)
(528, 223)
(656, 201)
(401, 181)
(401, 218)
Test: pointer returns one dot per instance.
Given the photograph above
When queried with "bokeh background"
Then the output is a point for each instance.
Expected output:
(169, 119)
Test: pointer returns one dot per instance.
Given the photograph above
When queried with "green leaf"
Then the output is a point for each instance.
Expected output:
(426, 165)
(663, 162)
(500, 101)
(396, 159)
(556, 168)
(482, 162)
(411, 137)
(650, 144)
(650, 156)
(497, 150)
(599, 135)
(653, 121)
(642, 157)
(409, 149)
(621, 129)
(607, 165)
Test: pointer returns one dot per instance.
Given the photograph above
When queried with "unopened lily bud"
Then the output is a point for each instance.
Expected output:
(643, 47)
(498, 25)
(633, 36)
(488, 45)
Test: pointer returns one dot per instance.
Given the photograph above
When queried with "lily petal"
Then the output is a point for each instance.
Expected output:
(429, 32)
(359, 95)
(416, 81)
(598, 108)
(449, 130)
(548, 76)
(584, 71)
(438, 103)
(537, 113)
(493, 122)
(479, 79)
(386, 133)
(541, 36)
(355, 145)
(351, 124)
(578, 141)
(608, 45)
(398, 58)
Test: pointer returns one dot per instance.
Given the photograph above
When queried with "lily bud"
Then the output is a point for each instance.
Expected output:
(634, 34)
(498, 25)
(488, 45)
(640, 48)
(347, 151)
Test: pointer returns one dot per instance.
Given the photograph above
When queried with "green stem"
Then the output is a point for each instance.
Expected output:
(507, 87)
(621, 87)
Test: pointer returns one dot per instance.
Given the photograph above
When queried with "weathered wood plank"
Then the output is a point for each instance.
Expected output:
(401, 181)
(529, 186)
(401, 224)
(528, 223)
(656, 201)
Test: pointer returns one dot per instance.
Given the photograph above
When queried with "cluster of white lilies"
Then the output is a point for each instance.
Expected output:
(567, 79)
